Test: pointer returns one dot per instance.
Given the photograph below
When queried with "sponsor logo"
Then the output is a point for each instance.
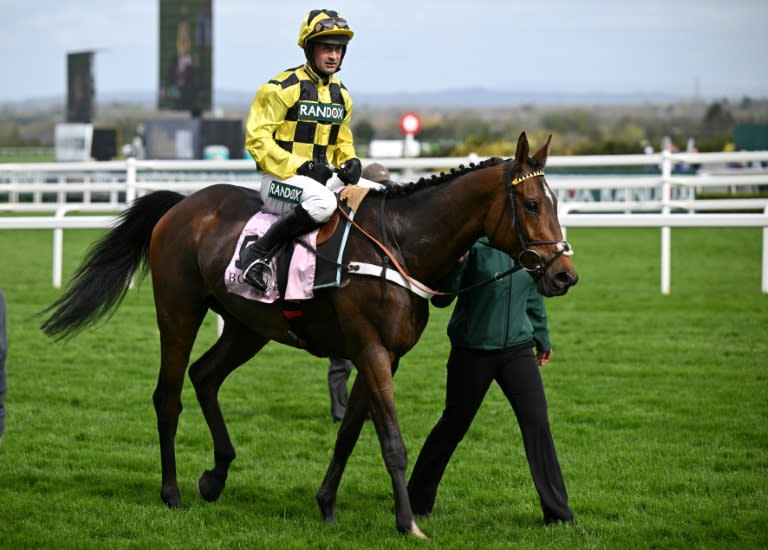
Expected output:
(321, 112)
(282, 191)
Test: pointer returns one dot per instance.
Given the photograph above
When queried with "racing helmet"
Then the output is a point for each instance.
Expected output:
(324, 27)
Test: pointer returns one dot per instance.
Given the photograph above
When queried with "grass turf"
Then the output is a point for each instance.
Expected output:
(658, 404)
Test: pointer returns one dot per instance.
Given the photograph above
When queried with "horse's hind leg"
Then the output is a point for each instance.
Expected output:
(177, 334)
(234, 347)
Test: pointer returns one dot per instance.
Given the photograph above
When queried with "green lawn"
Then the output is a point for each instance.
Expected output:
(658, 404)
(22, 157)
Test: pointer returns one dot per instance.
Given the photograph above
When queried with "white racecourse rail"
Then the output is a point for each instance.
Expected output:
(656, 195)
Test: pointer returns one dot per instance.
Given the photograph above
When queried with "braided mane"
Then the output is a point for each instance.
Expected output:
(436, 179)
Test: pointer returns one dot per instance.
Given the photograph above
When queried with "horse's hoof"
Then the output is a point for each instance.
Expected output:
(327, 511)
(171, 497)
(210, 486)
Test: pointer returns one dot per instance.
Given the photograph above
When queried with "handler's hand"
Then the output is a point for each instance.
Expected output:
(543, 357)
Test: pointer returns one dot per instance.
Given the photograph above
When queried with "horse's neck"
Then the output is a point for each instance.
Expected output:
(437, 225)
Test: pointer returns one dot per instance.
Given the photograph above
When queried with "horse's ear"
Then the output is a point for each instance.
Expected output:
(542, 154)
(521, 155)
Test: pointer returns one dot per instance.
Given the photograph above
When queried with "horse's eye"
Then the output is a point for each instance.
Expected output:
(532, 206)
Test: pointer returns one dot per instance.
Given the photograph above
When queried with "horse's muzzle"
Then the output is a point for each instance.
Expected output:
(558, 284)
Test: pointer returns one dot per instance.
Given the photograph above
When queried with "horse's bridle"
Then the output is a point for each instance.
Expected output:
(529, 259)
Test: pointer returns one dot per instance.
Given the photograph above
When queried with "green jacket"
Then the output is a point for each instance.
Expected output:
(498, 315)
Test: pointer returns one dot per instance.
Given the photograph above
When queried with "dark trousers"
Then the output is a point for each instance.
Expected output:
(338, 374)
(470, 373)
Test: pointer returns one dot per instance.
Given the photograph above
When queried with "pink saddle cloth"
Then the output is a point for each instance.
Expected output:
(301, 274)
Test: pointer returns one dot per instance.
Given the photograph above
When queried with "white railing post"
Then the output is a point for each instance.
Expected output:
(58, 254)
(666, 232)
(87, 193)
(563, 209)
(58, 249)
(130, 180)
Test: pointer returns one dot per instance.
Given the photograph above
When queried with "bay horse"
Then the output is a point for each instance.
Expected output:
(187, 242)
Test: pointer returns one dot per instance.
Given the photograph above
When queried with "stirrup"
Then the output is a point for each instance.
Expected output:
(267, 275)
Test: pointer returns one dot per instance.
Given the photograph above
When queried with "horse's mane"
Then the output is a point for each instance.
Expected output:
(436, 179)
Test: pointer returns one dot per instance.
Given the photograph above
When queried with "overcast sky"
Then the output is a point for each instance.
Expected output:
(710, 47)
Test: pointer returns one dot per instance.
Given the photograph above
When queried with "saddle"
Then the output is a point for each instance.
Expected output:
(352, 196)
(309, 263)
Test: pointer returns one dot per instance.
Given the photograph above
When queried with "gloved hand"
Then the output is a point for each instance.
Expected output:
(318, 172)
(350, 171)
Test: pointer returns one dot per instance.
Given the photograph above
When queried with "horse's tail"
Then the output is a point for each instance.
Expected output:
(101, 281)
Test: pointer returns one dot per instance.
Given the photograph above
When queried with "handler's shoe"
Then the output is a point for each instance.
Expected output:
(550, 519)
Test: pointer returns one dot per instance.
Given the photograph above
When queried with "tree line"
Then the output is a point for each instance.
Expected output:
(575, 130)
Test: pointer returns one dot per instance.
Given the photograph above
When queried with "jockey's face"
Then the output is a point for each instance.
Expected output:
(326, 58)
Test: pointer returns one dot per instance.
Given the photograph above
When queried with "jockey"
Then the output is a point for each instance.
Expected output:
(298, 125)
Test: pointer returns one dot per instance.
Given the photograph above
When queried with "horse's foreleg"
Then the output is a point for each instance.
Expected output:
(394, 454)
(235, 346)
(372, 392)
(384, 416)
(347, 437)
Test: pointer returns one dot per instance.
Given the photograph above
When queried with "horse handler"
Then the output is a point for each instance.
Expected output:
(493, 331)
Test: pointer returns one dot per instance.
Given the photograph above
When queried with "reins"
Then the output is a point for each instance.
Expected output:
(496, 277)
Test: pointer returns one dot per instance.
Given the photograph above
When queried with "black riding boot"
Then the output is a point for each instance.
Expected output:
(291, 225)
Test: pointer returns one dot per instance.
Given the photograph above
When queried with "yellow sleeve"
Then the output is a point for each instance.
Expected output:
(265, 116)
(345, 148)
